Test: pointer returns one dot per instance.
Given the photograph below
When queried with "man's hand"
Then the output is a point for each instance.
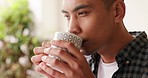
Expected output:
(72, 64)
(36, 59)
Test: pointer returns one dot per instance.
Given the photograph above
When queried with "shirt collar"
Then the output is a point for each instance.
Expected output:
(132, 49)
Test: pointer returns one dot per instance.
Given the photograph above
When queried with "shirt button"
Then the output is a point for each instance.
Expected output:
(127, 62)
(115, 75)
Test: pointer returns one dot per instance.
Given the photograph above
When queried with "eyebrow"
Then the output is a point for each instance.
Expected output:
(77, 8)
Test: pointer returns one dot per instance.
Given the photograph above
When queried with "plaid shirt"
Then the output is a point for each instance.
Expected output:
(132, 60)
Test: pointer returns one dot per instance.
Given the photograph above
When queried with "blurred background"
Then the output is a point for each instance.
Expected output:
(24, 24)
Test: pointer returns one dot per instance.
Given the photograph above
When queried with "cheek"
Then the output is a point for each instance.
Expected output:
(93, 26)
(89, 24)
(97, 29)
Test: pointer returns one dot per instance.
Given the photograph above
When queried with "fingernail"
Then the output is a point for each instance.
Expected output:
(46, 50)
(49, 65)
(51, 41)
(54, 41)
(44, 58)
(45, 44)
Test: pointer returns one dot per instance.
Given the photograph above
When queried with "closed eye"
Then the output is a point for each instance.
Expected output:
(67, 17)
(84, 13)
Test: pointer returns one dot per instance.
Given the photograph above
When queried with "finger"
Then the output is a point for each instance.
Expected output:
(55, 63)
(38, 50)
(46, 44)
(40, 70)
(69, 46)
(51, 71)
(36, 59)
(62, 54)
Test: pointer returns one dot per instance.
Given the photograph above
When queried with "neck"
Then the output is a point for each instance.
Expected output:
(117, 42)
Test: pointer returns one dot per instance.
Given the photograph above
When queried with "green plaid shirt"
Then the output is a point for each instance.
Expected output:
(132, 60)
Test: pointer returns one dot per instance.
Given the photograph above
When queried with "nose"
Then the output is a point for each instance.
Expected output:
(74, 26)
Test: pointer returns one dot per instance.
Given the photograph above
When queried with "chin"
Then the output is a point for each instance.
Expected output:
(87, 50)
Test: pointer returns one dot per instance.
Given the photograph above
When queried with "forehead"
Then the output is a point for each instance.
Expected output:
(70, 4)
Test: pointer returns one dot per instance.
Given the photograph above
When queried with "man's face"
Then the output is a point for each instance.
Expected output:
(90, 20)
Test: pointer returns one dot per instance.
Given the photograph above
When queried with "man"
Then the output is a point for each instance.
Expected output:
(115, 53)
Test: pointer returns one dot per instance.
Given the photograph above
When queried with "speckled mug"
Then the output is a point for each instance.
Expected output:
(76, 40)
(70, 37)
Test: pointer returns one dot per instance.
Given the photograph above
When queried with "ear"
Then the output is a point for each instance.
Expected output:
(119, 10)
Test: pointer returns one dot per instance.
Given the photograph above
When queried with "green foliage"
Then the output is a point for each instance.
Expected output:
(16, 39)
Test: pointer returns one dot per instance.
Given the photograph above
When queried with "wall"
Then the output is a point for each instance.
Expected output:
(47, 17)
(136, 18)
